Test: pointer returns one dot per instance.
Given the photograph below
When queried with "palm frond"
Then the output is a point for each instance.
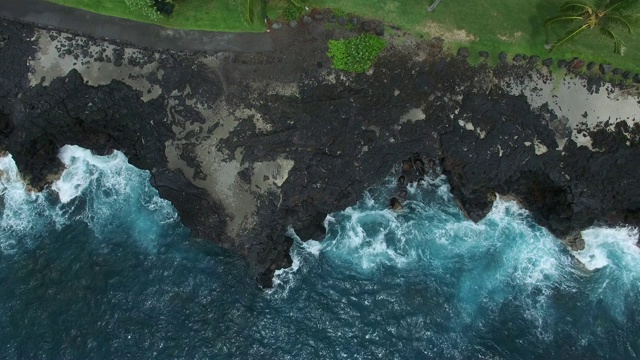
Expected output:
(619, 46)
(615, 6)
(553, 19)
(601, 4)
(568, 36)
(297, 3)
(249, 11)
(613, 20)
(576, 7)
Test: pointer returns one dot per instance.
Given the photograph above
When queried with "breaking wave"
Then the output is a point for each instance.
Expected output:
(100, 264)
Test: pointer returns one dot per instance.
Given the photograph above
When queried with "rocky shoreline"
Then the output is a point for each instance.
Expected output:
(247, 144)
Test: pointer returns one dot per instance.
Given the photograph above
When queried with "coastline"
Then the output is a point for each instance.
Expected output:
(291, 140)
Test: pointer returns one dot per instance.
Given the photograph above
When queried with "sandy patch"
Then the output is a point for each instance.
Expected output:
(512, 38)
(447, 34)
(57, 57)
(221, 166)
(577, 108)
(413, 115)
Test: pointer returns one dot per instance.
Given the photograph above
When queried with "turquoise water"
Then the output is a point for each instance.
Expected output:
(99, 266)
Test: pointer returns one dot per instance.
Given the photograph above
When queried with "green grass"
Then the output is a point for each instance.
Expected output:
(218, 15)
(512, 26)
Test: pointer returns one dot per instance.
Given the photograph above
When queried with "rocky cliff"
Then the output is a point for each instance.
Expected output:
(246, 145)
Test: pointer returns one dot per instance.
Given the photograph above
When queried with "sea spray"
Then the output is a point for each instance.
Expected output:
(612, 258)
(112, 199)
(109, 185)
(104, 267)
(25, 214)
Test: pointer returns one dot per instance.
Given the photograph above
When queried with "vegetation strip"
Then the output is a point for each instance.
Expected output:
(512, 26)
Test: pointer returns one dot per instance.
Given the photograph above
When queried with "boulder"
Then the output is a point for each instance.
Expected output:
(547, 62)
(576, 64)
(606, 68)
(574, 241)
(591, 66)
(395, 204)
(366, 26)
(276, 26)
(534, 59)
(627, 75)
(562, 64)
(518, 58)
(463, 52)
(318, 16)
(502, 57)
(483, 54)
(617, 71)
(293, 23)
(342, 20)
(307, 20)
(380, 30)
(636, 79)
(332, 18)
(354, 21)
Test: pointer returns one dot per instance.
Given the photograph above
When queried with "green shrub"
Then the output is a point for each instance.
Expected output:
(292, 11)
(337, 12)
(148, 8)
(356, 54)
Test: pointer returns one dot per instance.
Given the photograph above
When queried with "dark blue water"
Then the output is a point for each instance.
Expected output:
(100, 267)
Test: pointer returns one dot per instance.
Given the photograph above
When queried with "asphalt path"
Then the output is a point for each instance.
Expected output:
(48, 14)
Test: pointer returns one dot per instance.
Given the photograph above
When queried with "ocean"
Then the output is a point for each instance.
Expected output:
(98, 266)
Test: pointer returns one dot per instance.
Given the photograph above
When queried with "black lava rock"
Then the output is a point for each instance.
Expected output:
(463, 52)
(591, 66)
(606, 68)
(380, 30)
(534, 59)
(366, 26)
(627, 75)
(548, 62)
(576, 64)
(342, 20)
(617, 71)
(562, 64)
(483, 54)
(502, 57)
(518, 58)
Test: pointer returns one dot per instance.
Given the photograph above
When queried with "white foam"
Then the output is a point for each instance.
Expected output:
(23, 210)
(606, 246)
(83, 168)
(313, 247)
(284, 279)
(115, 194)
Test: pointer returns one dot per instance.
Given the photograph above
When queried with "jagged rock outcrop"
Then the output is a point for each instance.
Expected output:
(246, 145)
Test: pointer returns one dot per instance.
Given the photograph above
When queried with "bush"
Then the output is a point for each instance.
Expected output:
(292, 11)
(356, 54)
(152, 9)
(164, 7)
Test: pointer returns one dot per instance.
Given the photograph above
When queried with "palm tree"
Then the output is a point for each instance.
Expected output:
(606, 15)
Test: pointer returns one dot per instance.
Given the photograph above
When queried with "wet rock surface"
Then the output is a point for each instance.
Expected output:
(247, 145)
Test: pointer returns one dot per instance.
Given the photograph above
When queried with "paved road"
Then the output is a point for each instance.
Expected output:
(140, 34)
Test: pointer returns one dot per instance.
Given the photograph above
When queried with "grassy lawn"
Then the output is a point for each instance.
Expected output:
(218, 15)
(512, 26)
